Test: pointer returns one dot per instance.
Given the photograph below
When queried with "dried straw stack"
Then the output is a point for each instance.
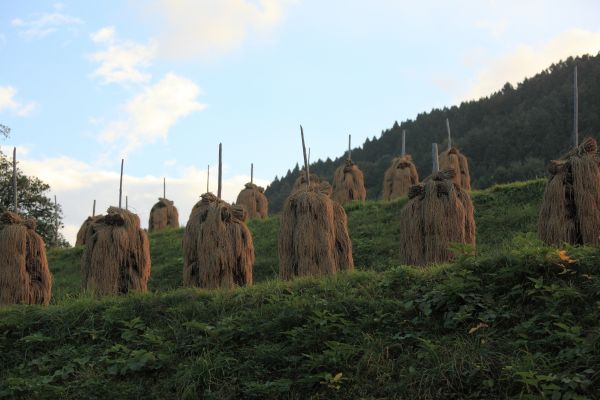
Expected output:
(570, 210)
(439, 212)
(163, 215)
(116, 259)
(399, 177)
(85, 230)
(24, 274)
(313, 237)
(254, 201)
(348, 183)
(455, 160)
(218, 246)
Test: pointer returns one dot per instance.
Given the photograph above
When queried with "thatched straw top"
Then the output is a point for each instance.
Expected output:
(588, 146)
(252, 186)
(404, 161)
(162, 202)
(439, 177)
(10, 218)
(118, 217)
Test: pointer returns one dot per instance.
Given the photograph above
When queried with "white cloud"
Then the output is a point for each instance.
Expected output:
(104, 35)
(122, 60)
(208, 28)
(45, 24)
(8, 102)
(151, 114)
(76, 185)
(525, 61)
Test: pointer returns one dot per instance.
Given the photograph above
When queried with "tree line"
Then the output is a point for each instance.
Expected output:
(507, 136)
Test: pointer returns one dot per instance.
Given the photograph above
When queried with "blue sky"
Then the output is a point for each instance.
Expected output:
(162, 82)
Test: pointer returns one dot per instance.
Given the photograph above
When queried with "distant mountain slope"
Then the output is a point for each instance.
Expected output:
(508, 136)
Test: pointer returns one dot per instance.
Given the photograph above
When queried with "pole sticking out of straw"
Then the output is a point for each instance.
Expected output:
(434, 157)
(349, 147)
(449, 134)
(94, 209)
(15, 202)
(305, 158)
(403, 141)
(575, 137)
(121, 184)
(220, 171)
(252, 173)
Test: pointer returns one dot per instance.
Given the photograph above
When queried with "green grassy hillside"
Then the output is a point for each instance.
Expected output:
(518, 320)
(500, 212)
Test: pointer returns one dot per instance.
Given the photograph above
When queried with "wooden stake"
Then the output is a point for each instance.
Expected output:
(207, 178)
(55, 222)
(94, 209)
(305, 158)
(121, 184)
(15, 203)
(127, 202)
(449, 135)
(252, 173)
(434, 156)
(220, 170)
(403, 142)
(349, 147)
(164, 188)
(575, 138)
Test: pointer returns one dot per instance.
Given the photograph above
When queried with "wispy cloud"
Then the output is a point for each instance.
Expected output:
(527, 60)
(42, 25)
(208, 28)
(151, 114)
(9, 102)
(122, 60)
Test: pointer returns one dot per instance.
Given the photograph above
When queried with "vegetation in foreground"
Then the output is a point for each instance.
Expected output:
(520, 324)
(518, 320)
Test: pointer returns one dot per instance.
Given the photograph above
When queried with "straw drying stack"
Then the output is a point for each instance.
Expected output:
(24, 274)
(438, 213)
(116, 259)
(453, 159)
(570, 210)
(399, 177)
(218, 247)
(313, 237)
(254, 201)
(85, 230)
(301, 180)
(163, 215)
(348, 183)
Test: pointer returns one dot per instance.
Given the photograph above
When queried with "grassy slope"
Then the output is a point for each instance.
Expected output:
(501, 212)
(516, 320)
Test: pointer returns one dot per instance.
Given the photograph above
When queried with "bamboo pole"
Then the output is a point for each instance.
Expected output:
(575, 137)
(403, 142)
(349, 147)
(55, 222)
(449, 134)
(127, 203)
(15, 203)
(305, 158)
(164, 188)
(207, 178)
(220, 170)
(94, 209)
(435, 159)
(121, 183)
(252, 173)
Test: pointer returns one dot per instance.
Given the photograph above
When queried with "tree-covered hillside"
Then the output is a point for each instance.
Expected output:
(508, 136)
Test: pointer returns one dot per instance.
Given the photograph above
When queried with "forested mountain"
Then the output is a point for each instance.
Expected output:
(507, 136)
